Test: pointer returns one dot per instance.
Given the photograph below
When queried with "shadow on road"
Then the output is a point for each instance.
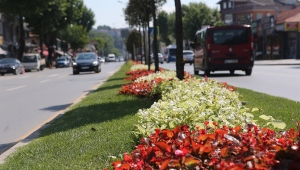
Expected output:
(57, 108)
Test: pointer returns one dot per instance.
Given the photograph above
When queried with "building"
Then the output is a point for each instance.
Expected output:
(245, 11)
(272, 23)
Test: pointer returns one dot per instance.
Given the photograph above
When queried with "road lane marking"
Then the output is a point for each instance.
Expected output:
(53, 75)
(63, 76)
(15, 88)
(44, 81)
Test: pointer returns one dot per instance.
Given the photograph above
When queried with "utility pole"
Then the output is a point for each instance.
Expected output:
(179, 41)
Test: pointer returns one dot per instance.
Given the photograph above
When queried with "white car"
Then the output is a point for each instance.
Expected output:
(102, 60)
(111, 58)
(160, 58)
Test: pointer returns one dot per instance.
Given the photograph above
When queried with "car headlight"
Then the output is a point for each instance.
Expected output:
(95, 63)
(74, 64)
(13, 67)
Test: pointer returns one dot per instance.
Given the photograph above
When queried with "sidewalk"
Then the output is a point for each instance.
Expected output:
(278, 62)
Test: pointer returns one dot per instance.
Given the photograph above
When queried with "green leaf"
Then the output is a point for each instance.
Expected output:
(279, 125)
(265, 117)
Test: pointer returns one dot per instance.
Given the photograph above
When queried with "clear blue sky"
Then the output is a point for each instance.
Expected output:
(110, 12)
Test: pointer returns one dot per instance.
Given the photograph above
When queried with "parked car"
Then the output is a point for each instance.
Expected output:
(160, 58)
(111, 58)
(86, 62)
(11, 65)
(69, 59)
(33, 61)
(62, 62)
(188, 56)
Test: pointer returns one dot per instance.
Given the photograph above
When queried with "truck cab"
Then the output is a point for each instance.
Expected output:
(33, 61)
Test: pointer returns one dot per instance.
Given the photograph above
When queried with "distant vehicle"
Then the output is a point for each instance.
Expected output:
(33, 61)
(102, 60)
(62, 62)
(111, 58)
(121, 59)
(10, 65)
(188, 56)
(69, 59)
(160, 58)
(171, 53)
(86, 62)
(223, 48)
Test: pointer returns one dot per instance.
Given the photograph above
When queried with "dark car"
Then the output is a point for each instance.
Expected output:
(62, 62)
(86, 62)
(188, 56)
(11, 65)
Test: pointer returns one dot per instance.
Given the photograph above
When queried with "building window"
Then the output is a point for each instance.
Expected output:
(229, 4)
(224, 5)
(259, 15)
(228, 19)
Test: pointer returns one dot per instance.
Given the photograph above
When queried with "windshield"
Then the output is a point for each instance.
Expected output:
(172, 51)
(230, 36)
(187, 53)
(7, 61)
(30, 58)
(86, 57)
(61, 59)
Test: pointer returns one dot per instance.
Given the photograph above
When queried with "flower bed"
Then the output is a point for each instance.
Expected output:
(202, 124)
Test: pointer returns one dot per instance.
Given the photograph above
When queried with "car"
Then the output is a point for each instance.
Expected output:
(188, 56)
(111, 58)
(86, 62)
(33, 61)
(69, 59)
(102, 60)
(160, 58)
(62, 62)
(11, 65)
(121, 59)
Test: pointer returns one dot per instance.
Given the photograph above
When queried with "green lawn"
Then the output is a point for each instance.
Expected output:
(100, 126)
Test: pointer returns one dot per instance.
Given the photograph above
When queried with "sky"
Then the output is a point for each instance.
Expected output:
(110, 12)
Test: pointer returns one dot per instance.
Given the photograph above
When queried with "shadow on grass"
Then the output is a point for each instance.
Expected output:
(96, 113)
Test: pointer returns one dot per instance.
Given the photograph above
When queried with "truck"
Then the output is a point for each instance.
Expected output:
(33, 61)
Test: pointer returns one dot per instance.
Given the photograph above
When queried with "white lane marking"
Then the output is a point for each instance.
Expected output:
(53, 75)
(15, 88)
(62, 76)
(45, 81)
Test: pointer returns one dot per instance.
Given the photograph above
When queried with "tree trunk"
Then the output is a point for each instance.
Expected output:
(41, 35)
(179, 42)
(155, 55)
(22, 39)
(149, 48)
(145, 53)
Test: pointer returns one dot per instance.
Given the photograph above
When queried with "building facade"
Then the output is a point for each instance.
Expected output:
(272, 39)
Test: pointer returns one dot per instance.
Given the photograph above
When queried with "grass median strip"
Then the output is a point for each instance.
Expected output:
(100, 126)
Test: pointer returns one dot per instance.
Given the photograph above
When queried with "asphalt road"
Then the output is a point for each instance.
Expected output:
(26, 101)
(276, 80)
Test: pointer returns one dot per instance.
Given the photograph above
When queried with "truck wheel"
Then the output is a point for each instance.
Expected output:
(196, 72)
(231, 72)
(248, 71)
(41, 68)
(206, 72)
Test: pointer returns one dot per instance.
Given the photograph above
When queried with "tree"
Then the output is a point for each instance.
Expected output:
(162, 22)
(196, 15)
(109, 41)
(22, 9)
(179, 41)
(87, 19)
(75, 35)
(133, 41)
